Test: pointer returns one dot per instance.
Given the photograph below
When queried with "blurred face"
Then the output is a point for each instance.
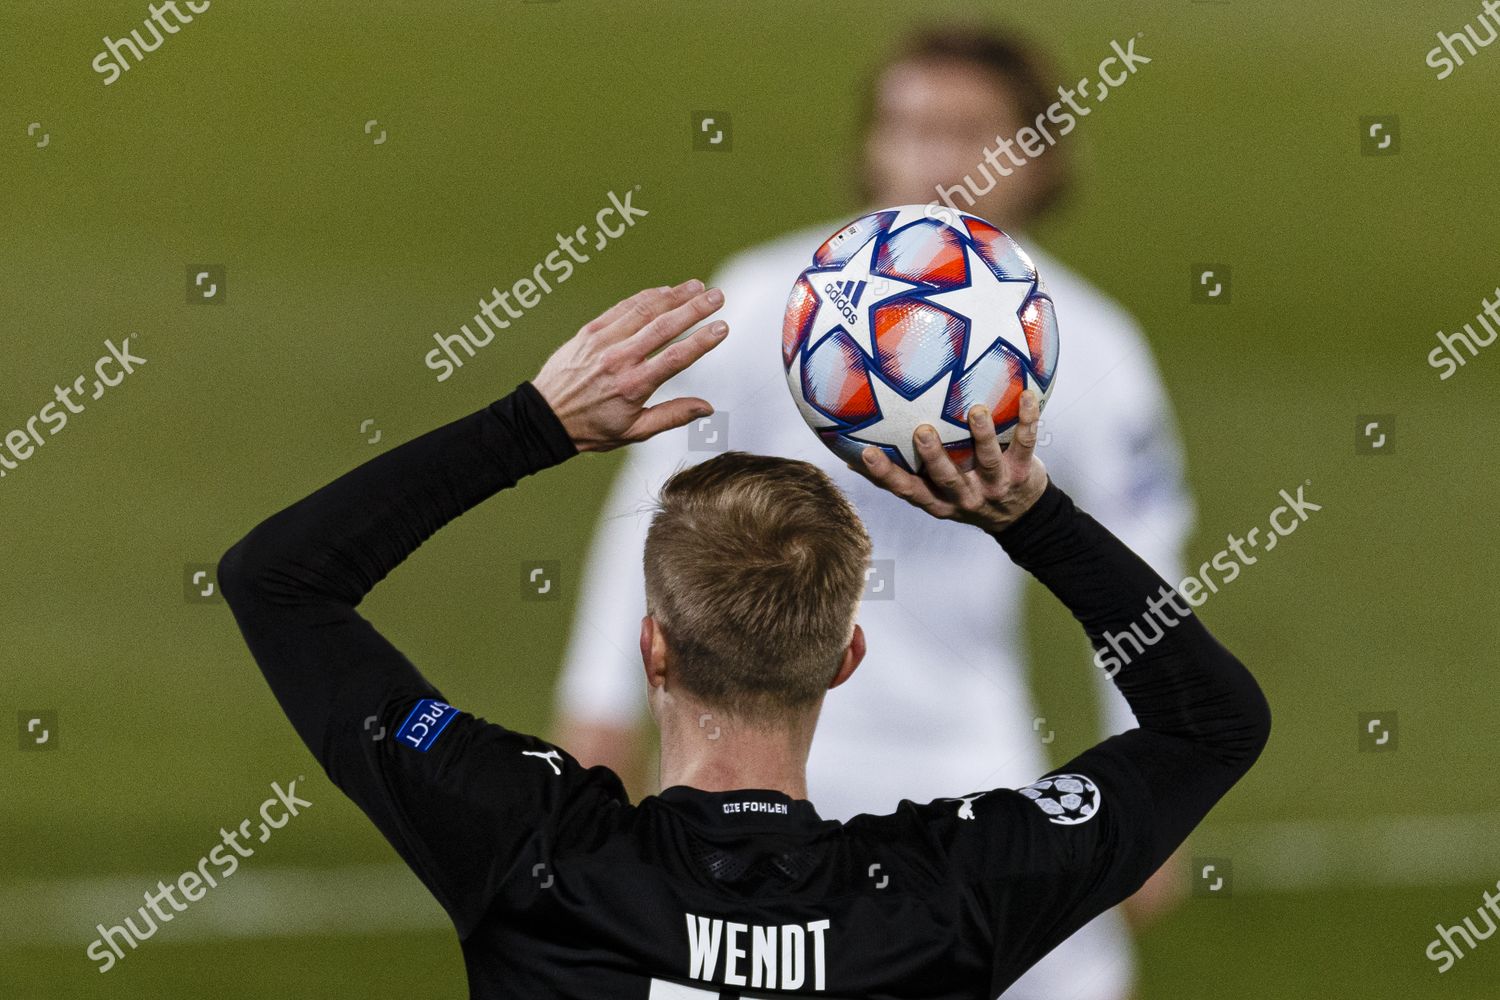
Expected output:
(932, 122)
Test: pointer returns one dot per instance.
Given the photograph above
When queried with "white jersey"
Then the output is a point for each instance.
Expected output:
(940, 705)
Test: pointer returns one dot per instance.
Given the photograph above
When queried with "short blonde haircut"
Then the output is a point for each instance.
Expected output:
(754, 568)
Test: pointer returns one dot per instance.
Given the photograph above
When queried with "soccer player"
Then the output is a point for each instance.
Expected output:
(728, 883)
(967, 719)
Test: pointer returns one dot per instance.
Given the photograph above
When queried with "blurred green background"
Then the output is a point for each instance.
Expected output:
(240, 142)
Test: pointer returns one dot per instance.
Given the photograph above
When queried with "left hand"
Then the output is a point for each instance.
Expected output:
(1002, 485)
(598, 382)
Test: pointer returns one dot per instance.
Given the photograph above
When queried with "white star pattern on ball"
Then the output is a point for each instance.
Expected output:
(934, 211)
(878, 288)
(992, 304)
(899, 416)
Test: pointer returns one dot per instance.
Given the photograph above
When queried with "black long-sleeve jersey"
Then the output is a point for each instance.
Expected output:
(561, 888)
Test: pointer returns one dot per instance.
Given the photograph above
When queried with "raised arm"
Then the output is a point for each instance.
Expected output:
(303, 570)
(367, 714)
(1046, 859)
(1117, 452)
(294, 581)
(1183, 686)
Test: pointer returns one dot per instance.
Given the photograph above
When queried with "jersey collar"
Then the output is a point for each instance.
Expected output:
(741, 809)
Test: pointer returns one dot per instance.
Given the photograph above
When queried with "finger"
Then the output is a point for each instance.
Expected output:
(617, 310)
(666, 416)
(938, 467)
(1023, 438)
(690, 287)
(684, 353)
(989, 459)
(889, 476)
(667, 326)
(629, 315)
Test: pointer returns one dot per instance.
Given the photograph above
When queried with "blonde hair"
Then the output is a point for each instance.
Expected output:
(754, 569)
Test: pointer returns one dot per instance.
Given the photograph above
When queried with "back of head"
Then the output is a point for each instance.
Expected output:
(754, 570)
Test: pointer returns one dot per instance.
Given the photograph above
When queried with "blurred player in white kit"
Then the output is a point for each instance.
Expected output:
(934, 597)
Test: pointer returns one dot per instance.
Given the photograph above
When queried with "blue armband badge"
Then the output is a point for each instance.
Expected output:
(425, 724)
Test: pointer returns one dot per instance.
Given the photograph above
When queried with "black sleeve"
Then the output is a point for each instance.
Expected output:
(456, 796)
(1043, 860)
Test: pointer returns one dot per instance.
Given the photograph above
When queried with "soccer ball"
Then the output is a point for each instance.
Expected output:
(1067, 799)
(912, 315)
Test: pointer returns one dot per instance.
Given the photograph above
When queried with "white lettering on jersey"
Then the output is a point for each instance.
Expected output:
(763, 957)
(551, 757)
(703, 945)
(773, 948)
(794, 955)
(733, 953)
(755, 807)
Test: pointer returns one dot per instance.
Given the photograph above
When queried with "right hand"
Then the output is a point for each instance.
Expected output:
(598, 382)
(1002, 486)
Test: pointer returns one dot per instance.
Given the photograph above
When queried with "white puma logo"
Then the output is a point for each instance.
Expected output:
(966, 805)
(551, 757)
